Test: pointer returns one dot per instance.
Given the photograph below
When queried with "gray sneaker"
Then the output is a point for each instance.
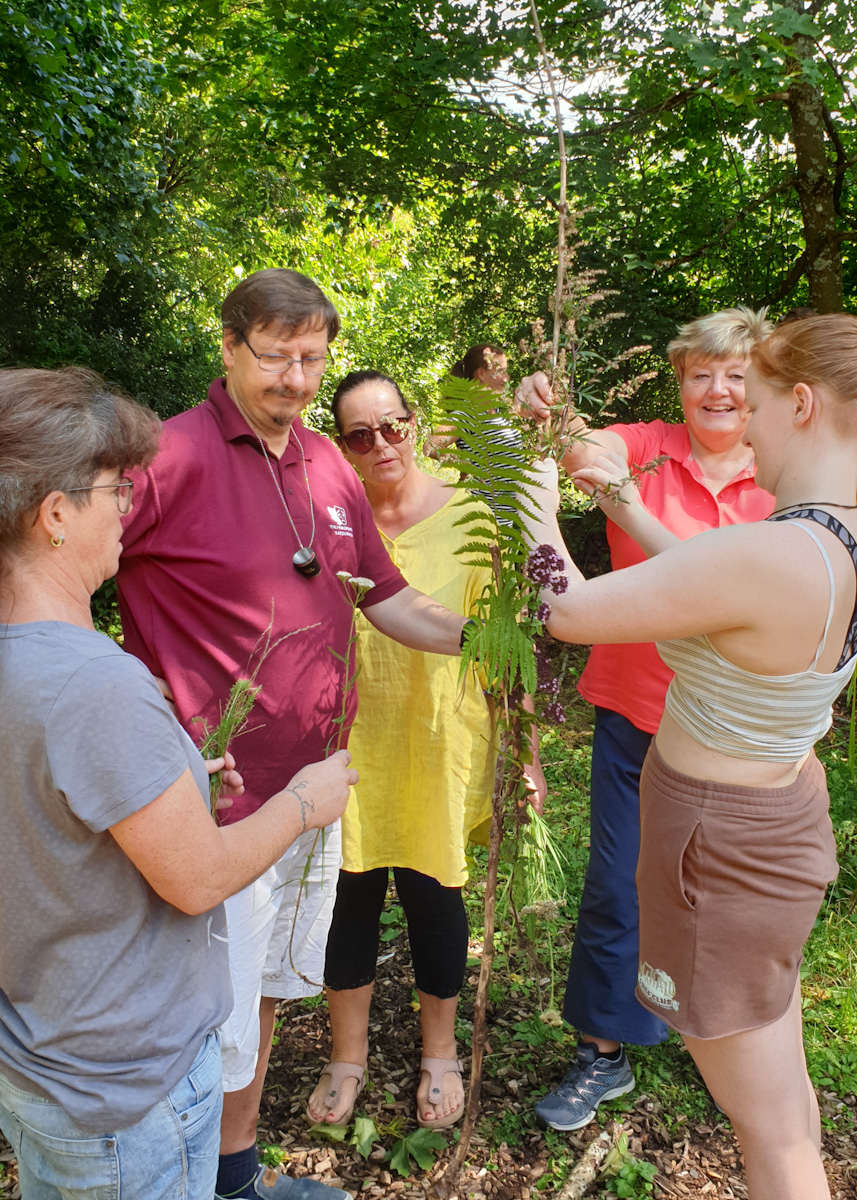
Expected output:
(592, 1079)
(271, 1185)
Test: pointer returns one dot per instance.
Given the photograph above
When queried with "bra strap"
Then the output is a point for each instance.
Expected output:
(824, 555)
(820, 517)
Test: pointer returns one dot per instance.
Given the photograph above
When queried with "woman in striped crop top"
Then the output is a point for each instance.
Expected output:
(759, 623)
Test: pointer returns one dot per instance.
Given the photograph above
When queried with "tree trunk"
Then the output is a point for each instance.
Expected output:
(814, 184)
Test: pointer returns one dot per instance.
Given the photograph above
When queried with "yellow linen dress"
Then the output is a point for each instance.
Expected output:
(422, 743)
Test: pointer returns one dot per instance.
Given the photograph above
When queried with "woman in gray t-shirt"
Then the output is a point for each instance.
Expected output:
(113, 971)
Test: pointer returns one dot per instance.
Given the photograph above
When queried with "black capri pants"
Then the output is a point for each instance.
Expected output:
(437, 930)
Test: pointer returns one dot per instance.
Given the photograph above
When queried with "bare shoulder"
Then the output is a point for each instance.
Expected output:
(765, 563)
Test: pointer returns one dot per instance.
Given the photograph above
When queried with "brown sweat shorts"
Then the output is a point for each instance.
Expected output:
(730, 881)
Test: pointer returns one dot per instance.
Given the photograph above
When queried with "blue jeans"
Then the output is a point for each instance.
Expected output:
(602, 975)
(170, 1155)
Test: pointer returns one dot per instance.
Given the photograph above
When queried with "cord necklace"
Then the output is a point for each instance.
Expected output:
(303, 560)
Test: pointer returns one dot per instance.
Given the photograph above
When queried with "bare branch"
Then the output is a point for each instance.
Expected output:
(563, 180)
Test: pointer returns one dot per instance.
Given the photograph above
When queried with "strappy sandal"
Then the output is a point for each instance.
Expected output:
(337, 1073)
(436, 1068)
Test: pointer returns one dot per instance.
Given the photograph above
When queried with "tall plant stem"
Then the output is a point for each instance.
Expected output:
(445, 1186)
(562, 207)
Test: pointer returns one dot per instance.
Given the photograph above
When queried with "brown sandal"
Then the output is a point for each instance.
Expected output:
(436, 1068)
(337, 1073)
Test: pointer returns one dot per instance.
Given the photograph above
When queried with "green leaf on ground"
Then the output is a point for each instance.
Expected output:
(334, 1133)
(364, 1135)
(423, 1146)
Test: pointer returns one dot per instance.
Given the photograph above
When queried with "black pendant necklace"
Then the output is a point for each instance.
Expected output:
(303, 560)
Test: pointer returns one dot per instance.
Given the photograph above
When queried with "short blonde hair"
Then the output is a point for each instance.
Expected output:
(731, 333)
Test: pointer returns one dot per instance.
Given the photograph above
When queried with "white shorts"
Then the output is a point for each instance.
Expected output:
(261, 921)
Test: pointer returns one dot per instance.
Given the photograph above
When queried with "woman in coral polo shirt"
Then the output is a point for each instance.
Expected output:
(706, 482)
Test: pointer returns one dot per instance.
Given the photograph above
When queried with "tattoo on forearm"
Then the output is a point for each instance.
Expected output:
(306, 805)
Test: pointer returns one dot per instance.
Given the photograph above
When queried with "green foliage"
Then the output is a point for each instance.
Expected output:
(535, 1032)
(500, 640)
(234, 715)
(332, 1133)
(105, 611)
(629, 1176)
(392, 920)
(834, 1067)
(364, 1135)
(397, 151)
(270, 1155)
(423, 1146)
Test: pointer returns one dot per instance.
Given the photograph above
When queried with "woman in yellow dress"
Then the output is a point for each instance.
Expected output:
(424, 746)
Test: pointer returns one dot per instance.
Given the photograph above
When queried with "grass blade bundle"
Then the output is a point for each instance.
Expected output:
(232, 723)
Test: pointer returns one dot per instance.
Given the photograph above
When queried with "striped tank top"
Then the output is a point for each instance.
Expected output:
(771, 718)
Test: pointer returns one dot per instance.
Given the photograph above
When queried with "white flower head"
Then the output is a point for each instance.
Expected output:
(345, 576)
(360, 581)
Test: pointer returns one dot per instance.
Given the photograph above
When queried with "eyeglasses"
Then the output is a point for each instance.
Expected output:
(278, 364)
(124, 491)
(361, 441)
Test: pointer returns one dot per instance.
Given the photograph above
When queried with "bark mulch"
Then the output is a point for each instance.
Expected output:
(701, 1161)
(509, 1158)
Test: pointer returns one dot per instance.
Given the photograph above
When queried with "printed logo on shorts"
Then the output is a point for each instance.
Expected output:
(657, 986)
(339, 521)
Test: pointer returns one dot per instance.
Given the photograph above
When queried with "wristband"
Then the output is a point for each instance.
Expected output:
(463, 637)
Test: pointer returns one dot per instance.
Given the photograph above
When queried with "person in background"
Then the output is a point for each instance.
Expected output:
(240, 528)
(486, 365)
(427, 754)
(707, 482)
(113, 960)
(759, 623)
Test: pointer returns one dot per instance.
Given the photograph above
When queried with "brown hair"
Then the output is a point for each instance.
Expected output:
(730, 333)
(356, 379)
(60, 430)
(475, 358)
(820, 350)
(279, 296)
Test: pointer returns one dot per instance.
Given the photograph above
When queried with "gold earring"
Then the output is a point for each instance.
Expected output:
(57, 541)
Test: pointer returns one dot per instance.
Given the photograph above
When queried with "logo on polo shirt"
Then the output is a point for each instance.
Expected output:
(339, 521)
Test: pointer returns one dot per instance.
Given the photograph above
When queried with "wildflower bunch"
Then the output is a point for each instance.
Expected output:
(545, 569)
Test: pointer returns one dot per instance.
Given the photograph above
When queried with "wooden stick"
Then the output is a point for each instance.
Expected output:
(585, 1172)
(562, 207)
(445, 1185)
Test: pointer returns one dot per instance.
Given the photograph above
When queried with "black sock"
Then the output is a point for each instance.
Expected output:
(611, 1055)
(236, 1174)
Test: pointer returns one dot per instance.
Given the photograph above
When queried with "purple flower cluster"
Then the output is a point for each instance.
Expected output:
(555, 712)
(547, 681)
(545, 568)
(543, 613)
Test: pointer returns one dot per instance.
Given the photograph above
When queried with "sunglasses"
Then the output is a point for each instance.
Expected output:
(361, 441)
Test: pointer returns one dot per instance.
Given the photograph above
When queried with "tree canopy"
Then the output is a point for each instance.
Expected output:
(403, 152)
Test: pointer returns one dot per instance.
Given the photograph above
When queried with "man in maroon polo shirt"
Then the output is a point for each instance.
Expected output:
(242, 523)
